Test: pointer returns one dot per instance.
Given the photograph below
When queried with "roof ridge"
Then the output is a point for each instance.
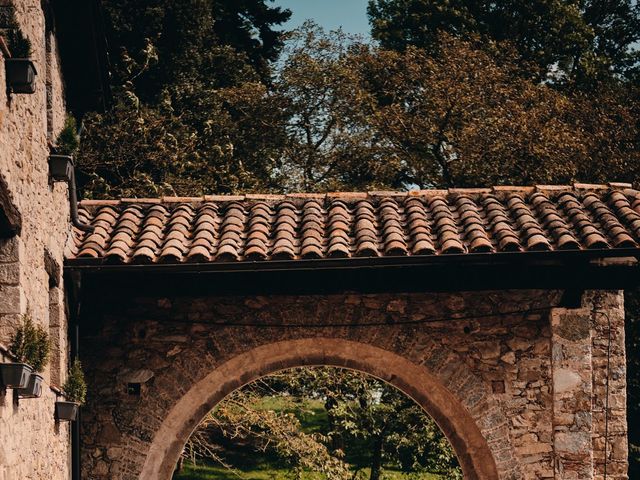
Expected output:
(359, 195)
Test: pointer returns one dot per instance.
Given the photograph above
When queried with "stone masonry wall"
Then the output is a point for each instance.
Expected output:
(32, 444)
(501, 366)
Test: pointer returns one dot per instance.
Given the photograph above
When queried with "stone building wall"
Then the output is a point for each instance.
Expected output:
(525, 380)
(32, 444)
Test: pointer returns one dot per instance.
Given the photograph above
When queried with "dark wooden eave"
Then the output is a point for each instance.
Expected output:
(569, 270)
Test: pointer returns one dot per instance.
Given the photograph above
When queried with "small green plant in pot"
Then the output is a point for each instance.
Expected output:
(31, 345)
(75, 390)
(20, 70)
(16, 374)
(67, 143)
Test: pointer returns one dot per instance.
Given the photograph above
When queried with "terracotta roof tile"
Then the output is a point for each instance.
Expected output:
(359, 224)
(445, 226)
(501, 226)
(392, 232)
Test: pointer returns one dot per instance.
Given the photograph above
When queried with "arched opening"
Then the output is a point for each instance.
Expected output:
(308, 421)
(454, 420)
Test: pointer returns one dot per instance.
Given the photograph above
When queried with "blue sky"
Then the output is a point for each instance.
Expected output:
(351, 15)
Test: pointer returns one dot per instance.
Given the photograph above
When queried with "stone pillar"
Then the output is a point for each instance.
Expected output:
(609, 385)
(572, 393)
(589, 388)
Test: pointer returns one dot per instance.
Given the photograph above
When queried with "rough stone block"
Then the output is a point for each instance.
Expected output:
(10, 273)
(10, 299)
(9, 250)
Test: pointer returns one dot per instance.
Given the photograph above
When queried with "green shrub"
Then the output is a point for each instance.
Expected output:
(31, 344)
(75, 388)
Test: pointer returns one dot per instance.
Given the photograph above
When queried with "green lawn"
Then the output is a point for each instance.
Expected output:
(310, 413)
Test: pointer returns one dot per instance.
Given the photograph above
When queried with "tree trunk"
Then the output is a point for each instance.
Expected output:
(336, 437)
(376, 458)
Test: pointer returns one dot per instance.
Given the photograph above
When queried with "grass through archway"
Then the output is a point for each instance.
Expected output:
(315, 423)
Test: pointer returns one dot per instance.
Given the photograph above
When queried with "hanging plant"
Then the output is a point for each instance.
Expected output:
(31, 345)
(67, 143)
(75, 389)
(20, 70)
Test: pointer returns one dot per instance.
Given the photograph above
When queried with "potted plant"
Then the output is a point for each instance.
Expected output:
(31, 345)
(20, 70)
(75, 391)
(61, 162)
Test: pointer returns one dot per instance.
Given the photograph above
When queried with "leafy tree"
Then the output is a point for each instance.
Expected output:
(361, 117)
(577, 40)
(609, 121)
(394, 430)
(213, 144)
(158, 43)
(240, 418)
(192, 113)
(397, 431)
(341, 114)
(463, 119)
(330, 144)
(238, 21)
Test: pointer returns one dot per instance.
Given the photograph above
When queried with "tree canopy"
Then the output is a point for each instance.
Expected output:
(342, 114)
(159, 43)
(580, 41)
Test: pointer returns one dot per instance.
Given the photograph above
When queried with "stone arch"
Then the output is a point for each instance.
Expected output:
(474, 426)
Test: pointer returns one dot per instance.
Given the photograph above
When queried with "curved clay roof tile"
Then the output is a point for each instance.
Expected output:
(219, 228)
